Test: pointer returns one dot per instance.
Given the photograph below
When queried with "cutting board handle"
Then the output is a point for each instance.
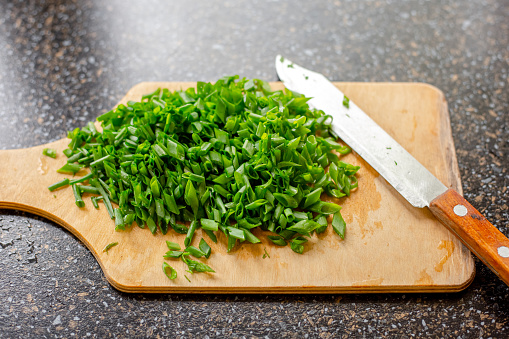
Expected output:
(474, 230)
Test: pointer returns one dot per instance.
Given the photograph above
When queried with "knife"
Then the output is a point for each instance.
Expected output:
(412, 180)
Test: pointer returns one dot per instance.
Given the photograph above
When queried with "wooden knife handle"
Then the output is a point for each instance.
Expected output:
(474, 230)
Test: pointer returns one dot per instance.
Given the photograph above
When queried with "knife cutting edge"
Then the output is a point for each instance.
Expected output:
(412, 180)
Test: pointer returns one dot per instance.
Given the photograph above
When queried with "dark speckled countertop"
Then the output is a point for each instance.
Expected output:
(62, 63)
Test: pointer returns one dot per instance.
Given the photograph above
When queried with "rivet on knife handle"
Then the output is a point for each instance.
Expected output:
(474, 230)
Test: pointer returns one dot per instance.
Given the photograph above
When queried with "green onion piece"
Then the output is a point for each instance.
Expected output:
(50, 152)
(304, 226)
(129, 219)
(67, 152)
(95, 200)
(77, 196)
(74, 157)
(296, 244)
(89, 189)
(107, 248)
(325, 207)
(151, 225)
(250, 237)
(276, 239)
(70, 169)
(190, 233)
(236, 233)
(173, 254)
(173, 245)
(205, 248)
(339, 225)
(346, 102)
(172, 274)
(190, 197)
(100, 161)
(286, 200)
(195, 252)
(314, 196)
(106, 199)
(59, 184)
(211, 235)
(119, 219)
(323, 224)
(196, 266)
(209, 225)
(82, 179)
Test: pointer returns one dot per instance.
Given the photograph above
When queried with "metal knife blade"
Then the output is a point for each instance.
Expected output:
(411, 179)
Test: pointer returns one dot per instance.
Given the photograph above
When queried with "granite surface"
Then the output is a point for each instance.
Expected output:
(62, 63)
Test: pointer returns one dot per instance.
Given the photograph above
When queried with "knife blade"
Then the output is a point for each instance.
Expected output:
(410, 178)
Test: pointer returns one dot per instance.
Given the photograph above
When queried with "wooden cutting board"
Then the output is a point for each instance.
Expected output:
(390, 246)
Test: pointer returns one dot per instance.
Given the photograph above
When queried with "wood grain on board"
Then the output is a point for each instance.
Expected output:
(390, 246)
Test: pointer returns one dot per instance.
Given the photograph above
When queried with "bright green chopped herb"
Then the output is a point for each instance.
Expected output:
(172, 274)
(276, 239)
(173, 254)
(82, 179)
(70, 168)
(77, 196)
(346, 102)
(339, 225)
(50, 152)
(195, 252)
(172, 246)
(190, 233)
(119, 219)
(107, 248)
(195, 266)
(95, 200)
(296, 244)
(227, 157)
(187, 278)
(67, 152)
(208, 224)
(265, 255)
(88, 189)
(59, 184)
(205, 248)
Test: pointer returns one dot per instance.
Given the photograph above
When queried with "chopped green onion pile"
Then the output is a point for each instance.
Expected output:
(227, 157)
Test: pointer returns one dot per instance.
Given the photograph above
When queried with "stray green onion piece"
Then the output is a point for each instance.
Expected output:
(50, 152)
(107, 248)
(346, 102)
(195, 266)
(172, 274)
(59, 184)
